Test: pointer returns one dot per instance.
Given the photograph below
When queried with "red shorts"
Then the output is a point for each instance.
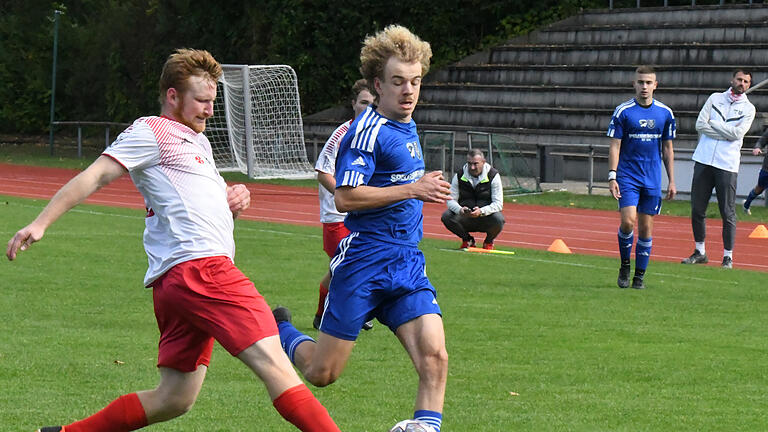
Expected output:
(332, 234)
(207, 299)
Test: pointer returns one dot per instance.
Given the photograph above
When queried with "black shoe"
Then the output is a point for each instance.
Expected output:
(281, 314)
(727, 263)
(696, 258)
(316, 322)
(368, 325)
(50, 429)
(623, 280)
(637, 282)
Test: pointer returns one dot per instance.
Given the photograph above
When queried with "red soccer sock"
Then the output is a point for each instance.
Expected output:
(299, 406)
(122, 415)
(321, 301)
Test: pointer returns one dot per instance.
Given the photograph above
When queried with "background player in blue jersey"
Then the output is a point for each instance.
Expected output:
(378, 271)
(762, 178)
(641, 131)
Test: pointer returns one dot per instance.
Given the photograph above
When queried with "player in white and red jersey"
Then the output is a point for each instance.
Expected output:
(332, 219)
(199, 295)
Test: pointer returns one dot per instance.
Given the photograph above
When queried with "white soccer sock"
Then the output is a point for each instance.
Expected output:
(727, 253)
(700, 248)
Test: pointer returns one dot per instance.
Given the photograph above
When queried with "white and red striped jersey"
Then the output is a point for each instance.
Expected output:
(187, 212)
(326, 162)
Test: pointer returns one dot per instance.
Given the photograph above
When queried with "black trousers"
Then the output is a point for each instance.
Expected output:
(460, 225)
(705, 178)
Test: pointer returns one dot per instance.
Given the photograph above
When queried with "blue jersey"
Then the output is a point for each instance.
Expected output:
(381, 152)
(642, 131)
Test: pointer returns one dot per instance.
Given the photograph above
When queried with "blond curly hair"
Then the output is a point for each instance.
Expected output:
(394, 40)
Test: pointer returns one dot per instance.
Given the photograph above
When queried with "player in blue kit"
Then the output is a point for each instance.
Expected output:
(378, 270)
(641, 132)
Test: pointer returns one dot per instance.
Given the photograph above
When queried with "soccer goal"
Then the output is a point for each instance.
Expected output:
(256, 127)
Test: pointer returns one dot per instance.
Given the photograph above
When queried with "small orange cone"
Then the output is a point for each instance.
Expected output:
(559, 247)
(760, 232)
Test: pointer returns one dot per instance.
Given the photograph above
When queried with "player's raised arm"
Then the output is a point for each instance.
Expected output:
(429, 188)
(100, 173)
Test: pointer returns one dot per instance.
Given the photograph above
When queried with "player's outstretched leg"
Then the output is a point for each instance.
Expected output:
(122, 415)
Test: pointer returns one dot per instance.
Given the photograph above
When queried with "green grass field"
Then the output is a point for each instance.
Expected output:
(687, 354)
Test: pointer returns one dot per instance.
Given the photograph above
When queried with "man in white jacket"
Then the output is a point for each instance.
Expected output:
(722, 123)
(477, 199)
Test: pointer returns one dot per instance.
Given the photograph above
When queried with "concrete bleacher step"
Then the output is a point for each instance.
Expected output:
(700, 14)
(531, 117)
(696, 76)
(567, 96)
(723, 32)
(745, 54)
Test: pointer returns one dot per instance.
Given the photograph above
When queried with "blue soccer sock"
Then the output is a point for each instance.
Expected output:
(625, 245)
(643, 253)
(752, 195)
(432, 418)
(290, 338)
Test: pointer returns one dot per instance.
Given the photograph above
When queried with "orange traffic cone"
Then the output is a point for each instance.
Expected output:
(760, 232)
(559, 247)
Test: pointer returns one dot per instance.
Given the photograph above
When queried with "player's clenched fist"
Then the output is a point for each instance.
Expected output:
(431, 187)
(238, 198)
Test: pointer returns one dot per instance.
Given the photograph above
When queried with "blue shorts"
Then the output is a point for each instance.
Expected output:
(762, 179)
(372, 279)
(647, 201)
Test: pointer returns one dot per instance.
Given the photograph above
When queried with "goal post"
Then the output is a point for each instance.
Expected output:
(256, 127)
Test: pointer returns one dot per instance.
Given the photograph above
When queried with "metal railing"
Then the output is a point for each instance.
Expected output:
(79, 124)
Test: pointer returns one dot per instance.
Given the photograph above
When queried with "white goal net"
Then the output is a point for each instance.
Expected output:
(256, 127)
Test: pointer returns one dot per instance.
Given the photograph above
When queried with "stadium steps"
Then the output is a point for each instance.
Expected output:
(746, 54)
(604, 75)
(726, 31)
(560, 84)
(577, 96)
(701, 14)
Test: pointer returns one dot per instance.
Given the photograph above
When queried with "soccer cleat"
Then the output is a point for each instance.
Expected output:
(281, 314)
(746, 208)
(637, 282)
(488, 246)
(315, 322)
(51, 429)
(623, 280)
(696, 258)
(467, 243)
(727, 263)
(368, 325)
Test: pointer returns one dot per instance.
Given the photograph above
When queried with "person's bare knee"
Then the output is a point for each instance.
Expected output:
(322, 362)
(176, 405)
(433, 366)
(174, 396)
(320, 375)
(267, 359)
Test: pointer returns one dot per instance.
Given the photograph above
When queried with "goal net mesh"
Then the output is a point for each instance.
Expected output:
(256, 127)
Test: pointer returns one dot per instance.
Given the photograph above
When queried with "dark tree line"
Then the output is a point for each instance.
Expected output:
(111, 51)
